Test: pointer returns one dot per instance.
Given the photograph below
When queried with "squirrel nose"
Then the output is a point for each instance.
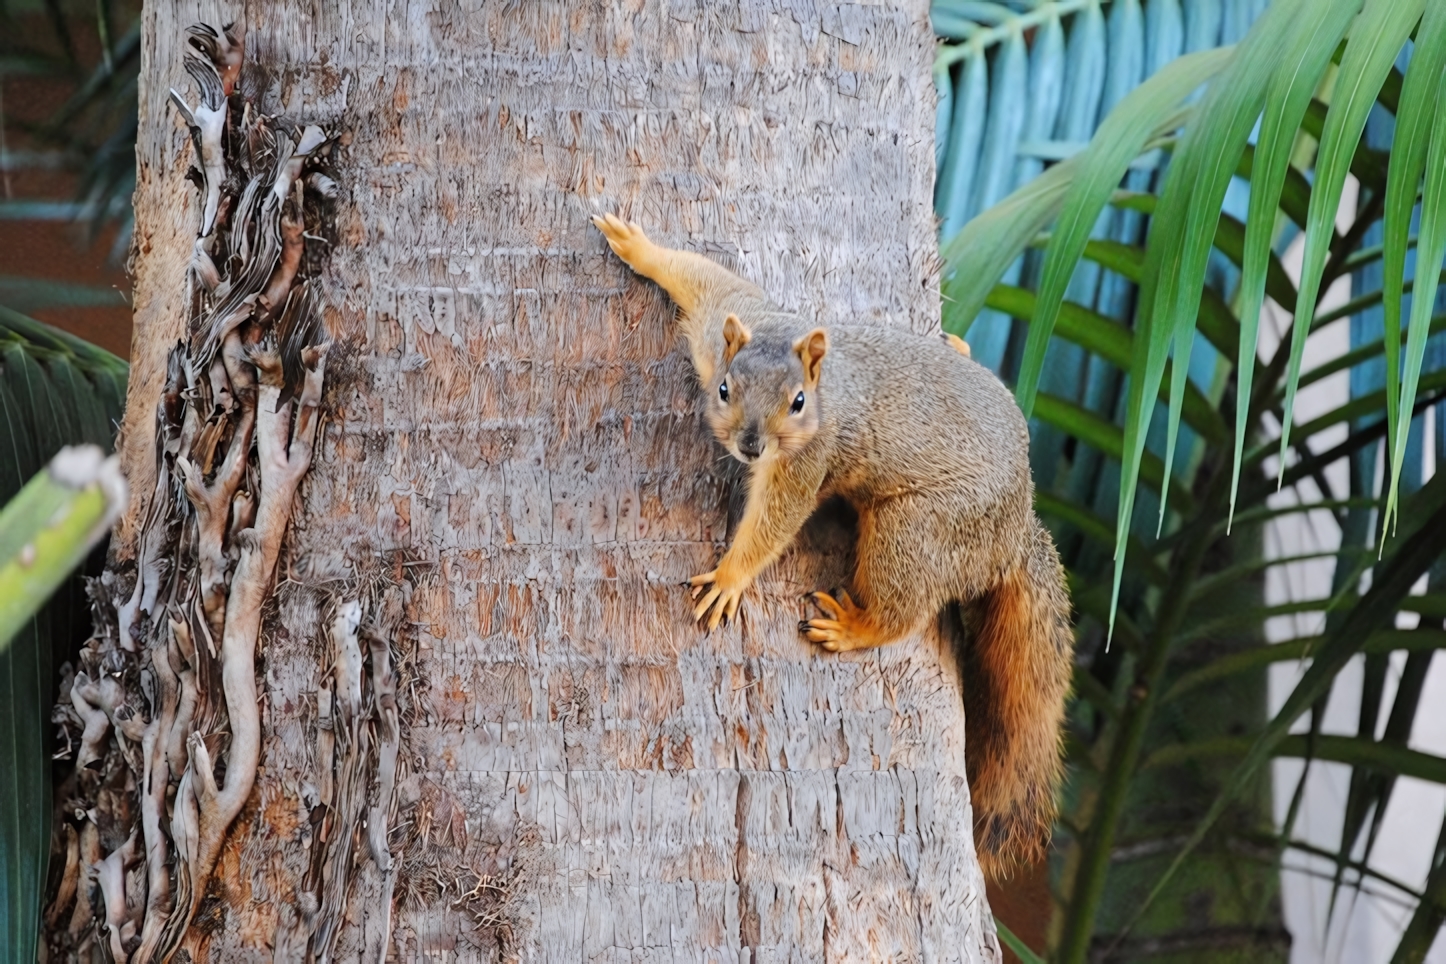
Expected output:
(749, 445)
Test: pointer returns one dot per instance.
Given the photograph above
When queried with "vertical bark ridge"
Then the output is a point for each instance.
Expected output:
(512, 424)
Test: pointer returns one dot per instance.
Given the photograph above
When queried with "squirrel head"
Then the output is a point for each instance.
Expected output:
(764, 400)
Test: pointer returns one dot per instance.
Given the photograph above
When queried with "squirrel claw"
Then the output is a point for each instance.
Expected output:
(715, 602)
(701, 610)
(833, 636)
(843, 630)
(625, 237)
(837, 604)
(825, 631)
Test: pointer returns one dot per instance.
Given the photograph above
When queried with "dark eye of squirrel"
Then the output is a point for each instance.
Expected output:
(723, 391)
(797, 404)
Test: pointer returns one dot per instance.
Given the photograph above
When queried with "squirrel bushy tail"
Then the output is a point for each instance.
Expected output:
(1017, 664)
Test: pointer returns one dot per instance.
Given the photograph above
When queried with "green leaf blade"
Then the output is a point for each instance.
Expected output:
(1209, 155)
(1413, 555)
(1409, 145)
(1021, 949)
(1118, 141)
(966, 132)
(1286, 101)
(1376, 38)
(1430, 252)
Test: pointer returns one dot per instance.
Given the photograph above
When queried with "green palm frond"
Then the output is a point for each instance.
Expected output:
(55, 391)
(1252, 83)
(1121, 290)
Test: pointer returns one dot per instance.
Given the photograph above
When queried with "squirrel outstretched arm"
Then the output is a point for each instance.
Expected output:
(932, 452)
(781, 497)
(701, 288)
(781, 493)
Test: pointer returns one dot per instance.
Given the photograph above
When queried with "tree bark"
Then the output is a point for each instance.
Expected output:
(510, 458)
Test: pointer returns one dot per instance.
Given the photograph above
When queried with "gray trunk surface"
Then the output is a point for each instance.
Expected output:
(511, 441)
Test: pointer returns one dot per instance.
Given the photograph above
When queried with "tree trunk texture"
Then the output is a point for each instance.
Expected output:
(510, 450)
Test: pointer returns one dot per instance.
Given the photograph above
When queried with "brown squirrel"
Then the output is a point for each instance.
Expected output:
(932, 451)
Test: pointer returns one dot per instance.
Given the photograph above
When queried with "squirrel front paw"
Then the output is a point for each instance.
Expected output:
(625, 238)
(720, 593)
(847, 629)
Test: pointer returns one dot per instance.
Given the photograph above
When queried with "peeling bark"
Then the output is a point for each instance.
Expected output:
(485, 728)
(110, 875)
(82, 919)
(284, 458)
(226, 479)
(212, 501)
(158, 769)
(293, 244)
(95, 719)
(69, 879)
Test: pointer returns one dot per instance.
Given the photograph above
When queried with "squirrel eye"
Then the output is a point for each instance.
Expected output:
(723, 391)
(797, 404)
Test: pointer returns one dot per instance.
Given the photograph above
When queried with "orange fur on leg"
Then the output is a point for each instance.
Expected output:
(848, 627)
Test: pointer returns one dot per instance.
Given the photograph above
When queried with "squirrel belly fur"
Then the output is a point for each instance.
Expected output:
(933, 453)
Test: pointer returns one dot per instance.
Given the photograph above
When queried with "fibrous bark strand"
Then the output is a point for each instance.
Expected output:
(232, 442)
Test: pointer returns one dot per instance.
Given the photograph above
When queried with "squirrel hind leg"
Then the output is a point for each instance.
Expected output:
(1016, 674)
(847, 626)
(892, 603)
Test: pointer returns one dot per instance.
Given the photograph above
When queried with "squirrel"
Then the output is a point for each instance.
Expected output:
(932, 452)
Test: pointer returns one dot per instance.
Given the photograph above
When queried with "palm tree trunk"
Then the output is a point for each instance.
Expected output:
(510, 481)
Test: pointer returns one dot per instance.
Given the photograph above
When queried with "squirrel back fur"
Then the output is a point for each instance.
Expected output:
(933, 453)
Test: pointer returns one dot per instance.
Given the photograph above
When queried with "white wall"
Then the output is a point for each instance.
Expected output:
(1365, 924)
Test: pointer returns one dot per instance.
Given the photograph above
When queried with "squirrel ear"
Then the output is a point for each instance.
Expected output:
(735, 336)
(811, 348)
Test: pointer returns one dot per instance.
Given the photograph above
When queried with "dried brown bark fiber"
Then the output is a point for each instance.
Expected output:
(509, 482)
